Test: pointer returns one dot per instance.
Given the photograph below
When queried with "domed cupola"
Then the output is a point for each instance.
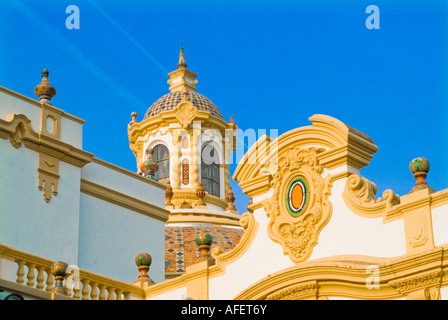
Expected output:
(172, 99)
(186, 136)
(184, 142)
(182, 87)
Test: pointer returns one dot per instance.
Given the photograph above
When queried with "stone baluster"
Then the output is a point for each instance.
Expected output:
(94, 291)
(50, 280)
(30, 275)
(111, 291)
(76, 292)
(102, 295)
(21, 272)
(40, 278)
(119, 293)
(85, 289)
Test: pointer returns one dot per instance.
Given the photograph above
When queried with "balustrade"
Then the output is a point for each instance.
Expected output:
(36, 272)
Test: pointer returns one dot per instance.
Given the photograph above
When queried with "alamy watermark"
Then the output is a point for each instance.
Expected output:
(73, 20)
(373, 20)
(252, 146)
(373, 280)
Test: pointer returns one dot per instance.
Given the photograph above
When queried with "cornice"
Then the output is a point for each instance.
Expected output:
(129, 173)
(165, 118)
(123, 200)
(42, 143)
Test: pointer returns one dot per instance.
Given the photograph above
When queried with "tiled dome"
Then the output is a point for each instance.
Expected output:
(172, 99)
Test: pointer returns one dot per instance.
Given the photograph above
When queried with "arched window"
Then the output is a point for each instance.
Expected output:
(210, 170)
(161, 155)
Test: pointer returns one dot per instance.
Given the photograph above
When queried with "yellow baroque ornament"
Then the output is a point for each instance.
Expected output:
(299, 207)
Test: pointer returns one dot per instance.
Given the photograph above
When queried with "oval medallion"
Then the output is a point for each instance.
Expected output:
(297, 196)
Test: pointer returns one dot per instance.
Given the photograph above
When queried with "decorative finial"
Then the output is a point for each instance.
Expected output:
(231, 120)
(149, 167)
(168, 194)
(185, 95)
(182, 64)
(134, 116)
(143, 261)
(59, 271)
(230, 198)
(420, 168)
(200, 193)
(204, 242)
(44, 90)
(251, 202)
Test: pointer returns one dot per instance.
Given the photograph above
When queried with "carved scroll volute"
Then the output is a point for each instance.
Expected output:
(299, 208)
(359, 196)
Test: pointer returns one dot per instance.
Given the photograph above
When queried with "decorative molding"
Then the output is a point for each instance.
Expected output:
(18, 128)
(16, 137)
(189, 196)
(346, 276)
(129, 173)
(43, 143)
(213, 218)
(48, 175)
(297, 292)
(298, 233)
(123, 200)
(424, 286)
(185, 113)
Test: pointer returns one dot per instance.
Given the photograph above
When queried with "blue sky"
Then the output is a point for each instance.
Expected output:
(269, 64)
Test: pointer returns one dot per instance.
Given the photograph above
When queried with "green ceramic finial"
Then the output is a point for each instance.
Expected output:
(420, 168)
(419, 165)
(204, 239)
(143, 261)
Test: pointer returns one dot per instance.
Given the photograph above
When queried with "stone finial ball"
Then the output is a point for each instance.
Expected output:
(419, 165)
(143, 259)
(204, 239)
(59, 269)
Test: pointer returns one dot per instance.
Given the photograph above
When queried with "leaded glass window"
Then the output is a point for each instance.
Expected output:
(210, 170)
(161, 155)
